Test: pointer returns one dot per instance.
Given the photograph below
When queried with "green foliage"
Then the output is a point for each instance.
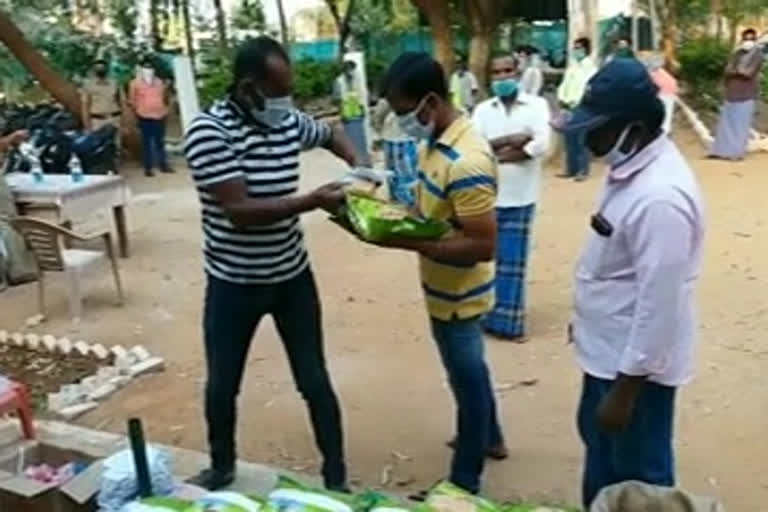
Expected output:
(375, 67)
(314, 79)
(215, 76)
(249, 15)
(702, 62)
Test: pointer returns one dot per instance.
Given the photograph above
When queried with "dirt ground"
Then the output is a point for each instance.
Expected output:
(385, 367)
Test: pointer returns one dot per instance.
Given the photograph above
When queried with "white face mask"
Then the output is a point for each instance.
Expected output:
(412, 126)
(616, 156)
(148, 74)
(748, 45)
(275, 110)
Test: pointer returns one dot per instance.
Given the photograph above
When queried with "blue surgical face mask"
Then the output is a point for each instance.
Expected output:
(579, 53)
(616, 156)
(412, 126)
(274, 111)
(505, 88)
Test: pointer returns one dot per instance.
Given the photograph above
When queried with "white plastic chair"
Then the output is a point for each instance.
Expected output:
(47, 242)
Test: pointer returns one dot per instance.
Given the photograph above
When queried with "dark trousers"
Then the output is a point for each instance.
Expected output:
(576, 153)
(232, 314)
(153, 143)
(462, 350)
(642, 452)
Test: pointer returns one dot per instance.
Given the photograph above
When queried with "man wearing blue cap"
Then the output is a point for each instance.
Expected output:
(633, 326)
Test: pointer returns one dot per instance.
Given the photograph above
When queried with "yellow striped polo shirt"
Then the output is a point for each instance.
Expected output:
(457, 178)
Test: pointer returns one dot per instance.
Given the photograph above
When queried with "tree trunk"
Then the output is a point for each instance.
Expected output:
(716, 8)
(189, 39)
(437, 13)
(59, 87)
(221, 26)
(283, 22)
(483, 19)
(668, 14)
(342, 22)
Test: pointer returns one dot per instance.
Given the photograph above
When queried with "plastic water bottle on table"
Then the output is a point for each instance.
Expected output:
(75, 169)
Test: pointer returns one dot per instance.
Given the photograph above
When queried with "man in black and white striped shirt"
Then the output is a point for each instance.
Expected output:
(244, 156)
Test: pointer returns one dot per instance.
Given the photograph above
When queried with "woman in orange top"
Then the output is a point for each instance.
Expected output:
(148, 100)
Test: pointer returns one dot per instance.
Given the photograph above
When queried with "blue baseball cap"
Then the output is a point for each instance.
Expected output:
(621, 89)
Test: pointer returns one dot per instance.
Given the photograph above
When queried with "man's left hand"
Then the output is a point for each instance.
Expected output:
(616, 408)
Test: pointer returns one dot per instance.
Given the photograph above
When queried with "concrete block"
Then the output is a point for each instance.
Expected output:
(72, 393)
(140, 353)
(49, 343)
(99, 351)
(120, 380)
(153, 364)
(18, 339)
(56, 402)
(81, 348)
(64, 346)
(32, 341)
(106, 373)
(119, 351)
(124, 363)
(73, 411)
(89, 384)
(102, 392)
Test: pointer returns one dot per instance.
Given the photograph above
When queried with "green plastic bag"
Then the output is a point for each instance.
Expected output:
(446, 497)
(228, 501)
(292, 496)
(375, 220)
(372, 501)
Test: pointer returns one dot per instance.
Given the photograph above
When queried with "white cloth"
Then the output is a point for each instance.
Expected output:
(634, 309)
(519, 183)
(532, 80)
(669, 102)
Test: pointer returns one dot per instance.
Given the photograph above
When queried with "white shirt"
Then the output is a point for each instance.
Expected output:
(634, 290)
(532, 80)
(519, 183)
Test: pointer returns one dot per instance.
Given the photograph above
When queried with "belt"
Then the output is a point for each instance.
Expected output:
(106, 116)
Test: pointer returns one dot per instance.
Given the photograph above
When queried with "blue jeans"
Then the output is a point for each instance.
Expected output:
(642, 452)
(462, 350)
(576, 153)
(153, 143)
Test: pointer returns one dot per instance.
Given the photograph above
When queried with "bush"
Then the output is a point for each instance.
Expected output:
(314, 79)
(702, 62)
(375, 67)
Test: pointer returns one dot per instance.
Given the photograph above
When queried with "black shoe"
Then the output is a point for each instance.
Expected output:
(149, 173)
(213, 479)
(497, 452)
(580, 177)
(168, 170)
(342, 489)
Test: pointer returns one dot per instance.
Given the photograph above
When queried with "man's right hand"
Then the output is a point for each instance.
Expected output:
(329, 197)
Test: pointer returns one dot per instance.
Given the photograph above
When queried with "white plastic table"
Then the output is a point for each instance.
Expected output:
(72, 200)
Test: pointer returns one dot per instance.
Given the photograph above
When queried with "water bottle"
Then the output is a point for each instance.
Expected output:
(75, 169)
(29, 153)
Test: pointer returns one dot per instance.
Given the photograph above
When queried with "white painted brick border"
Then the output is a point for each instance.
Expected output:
(758, 141)
(72, 400)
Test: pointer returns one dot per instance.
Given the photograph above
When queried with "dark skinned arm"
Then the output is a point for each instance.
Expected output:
(244, 211)
(509, 154)
(516, 140)
(615, 410)
(475, 242)
(340, 145)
